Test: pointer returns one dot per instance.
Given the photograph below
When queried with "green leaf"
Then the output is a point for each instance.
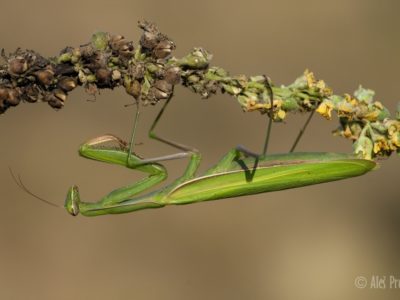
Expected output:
(197, 59)
(383, 114)
(290, 104)
(363, 147)
(146, 84)
(365, 95)
(100, 40)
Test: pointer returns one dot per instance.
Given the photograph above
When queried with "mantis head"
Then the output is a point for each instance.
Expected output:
(72, 201)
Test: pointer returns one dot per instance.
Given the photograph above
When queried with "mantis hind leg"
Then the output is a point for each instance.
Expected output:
(234, 155)
(301, 132)
(270, 114)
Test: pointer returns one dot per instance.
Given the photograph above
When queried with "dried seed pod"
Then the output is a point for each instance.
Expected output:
(65, 69)
(116, 41)
(163, 49)
(86, 50)
(13, 98)
(45, 77)
(161, 90)
(53, 101)
(67, 84)
(172, 75)
(3, 94)
(120, 44)
(56, 103)
(159, 95)
(137, 71)
(99, 60)
(17, 66)
(31, 93)
(116, 75)
(127, 49)
(163, 86)
(133, 88)
(103, 76)
(148, 40)
(60, 94)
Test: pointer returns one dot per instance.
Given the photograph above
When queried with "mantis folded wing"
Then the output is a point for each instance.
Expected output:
(234, 175)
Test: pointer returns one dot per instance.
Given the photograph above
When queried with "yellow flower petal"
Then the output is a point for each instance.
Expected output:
(325, 109)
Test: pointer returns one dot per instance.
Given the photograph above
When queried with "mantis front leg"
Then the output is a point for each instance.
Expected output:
(95, 149)
(124, 155)
(115, 202)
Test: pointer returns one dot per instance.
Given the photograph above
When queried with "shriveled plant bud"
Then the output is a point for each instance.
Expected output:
(163, 86)
(116, 75)
(86, 50)
(13, 98)
(148, 40)
(30, 94)
(76, 55)
(116, 41)
(67, 84)
(45, 77)
(64, 57)
(103, 76)
(17, 66)
(162, 89)
(127, 49)
(100, 40)
(61, 95)
(133, 88)
(163, 49)
(172, 75)
(91, 78)
(53, 101)
(3, 94)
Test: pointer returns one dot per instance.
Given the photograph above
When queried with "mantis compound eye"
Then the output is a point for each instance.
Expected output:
(72, 201)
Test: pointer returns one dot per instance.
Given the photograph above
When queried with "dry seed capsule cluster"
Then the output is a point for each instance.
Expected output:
(149, 73)
(107, 61)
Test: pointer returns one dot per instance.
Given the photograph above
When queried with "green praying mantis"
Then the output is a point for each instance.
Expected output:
(240, 172)
(149, 74)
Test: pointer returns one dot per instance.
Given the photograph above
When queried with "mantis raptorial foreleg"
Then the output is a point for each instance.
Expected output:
(157, 173)
(94, 149)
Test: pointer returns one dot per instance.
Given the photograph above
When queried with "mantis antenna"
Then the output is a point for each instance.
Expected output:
(25, 189)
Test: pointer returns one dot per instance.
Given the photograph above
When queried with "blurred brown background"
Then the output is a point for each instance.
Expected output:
(309, 243)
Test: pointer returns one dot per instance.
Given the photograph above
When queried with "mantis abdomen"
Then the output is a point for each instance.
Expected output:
(271, 175)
